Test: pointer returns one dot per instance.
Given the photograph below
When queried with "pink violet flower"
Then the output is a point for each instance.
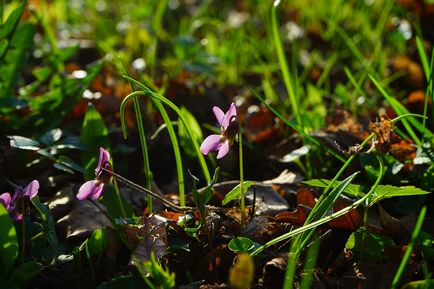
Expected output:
(5, 199)
(18, 203)
(228, 131)
(94, 188)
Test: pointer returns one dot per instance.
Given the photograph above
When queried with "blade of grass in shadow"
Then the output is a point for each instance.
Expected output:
(311, 257)
(156, 96)
(172, 135)
(423, 57)
(143, 144)
(401, 110)
(409, 250)
(428, 69)
(298, 129)
(319, 210)
(286, 74)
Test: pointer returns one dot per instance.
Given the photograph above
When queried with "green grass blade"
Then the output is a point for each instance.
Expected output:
(142, 136)
(298, 129)
(409, 250)
(155, 96)
(170, 130)
(286, 74)
(423, 57)
(401, 110)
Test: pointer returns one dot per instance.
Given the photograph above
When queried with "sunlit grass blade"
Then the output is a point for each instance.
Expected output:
(298, 129)
(286, 74)
(155, 96)
(409, 250)
(143, 143)
(401, 110)
(173, 138)
(423, 57)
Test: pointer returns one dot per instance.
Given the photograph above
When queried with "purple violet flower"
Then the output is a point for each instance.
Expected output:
(94, 188)
(229, 128)
(5, 199)
(17, 204)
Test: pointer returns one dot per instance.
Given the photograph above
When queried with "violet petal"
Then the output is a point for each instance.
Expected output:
(229, 114)
(224, 149)
(89, 189)
(211, 143)
(219, 115)
(97, 192)
(5, 199)
(104, 156)
(32, 189)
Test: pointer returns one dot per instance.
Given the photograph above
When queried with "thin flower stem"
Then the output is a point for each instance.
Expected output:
(99, 208)
(242, 201)
(118, 195)
(149, 192)
(23, 236)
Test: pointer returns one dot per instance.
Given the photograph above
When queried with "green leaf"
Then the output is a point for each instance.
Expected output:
(4, 43)
(48, 223)
(8, 243)
(51, 136)
(23, 143)
(26, 272)
(42, 73)
(242, 245)
(66, 164)
(184, 137)
(15, 58)
(97, 242)
(203, 197)
(367, 245)
(93, 136)
(235, 193)
(12, 21)
(380, 193)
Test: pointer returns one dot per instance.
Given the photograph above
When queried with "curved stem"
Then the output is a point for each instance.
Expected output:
(242, 201)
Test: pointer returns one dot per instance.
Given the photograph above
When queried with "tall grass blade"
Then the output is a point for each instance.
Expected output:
(409, 250)
(154, 96)
(286, 74)
(143, 143)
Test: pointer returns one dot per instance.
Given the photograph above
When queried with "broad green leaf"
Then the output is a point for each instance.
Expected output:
(8, 242)
(242, 245)
(368, 245)
(235, 193)
(66, 164)
(23, 143)
(93, 136)
(26, 272)
(380, 193)
(12, 21)
(51, 136)
(48, 223)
